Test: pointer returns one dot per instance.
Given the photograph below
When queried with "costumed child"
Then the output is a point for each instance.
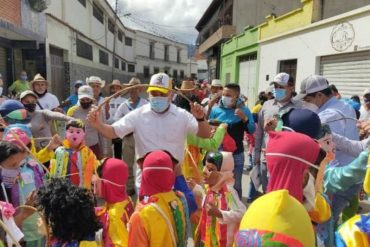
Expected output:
(275, 219)
(69, 211)
(29, 177)
(74, 159)
(110, 185)
(10, 159)
(222, 208)
(161, 218)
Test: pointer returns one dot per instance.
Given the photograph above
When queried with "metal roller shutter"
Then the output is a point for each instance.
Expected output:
(349, 72)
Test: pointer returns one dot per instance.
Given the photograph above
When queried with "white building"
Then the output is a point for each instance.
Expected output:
(157, 54)
(85, 38)
(337, 48)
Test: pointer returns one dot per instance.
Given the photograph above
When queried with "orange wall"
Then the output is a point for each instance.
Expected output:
(10, 11)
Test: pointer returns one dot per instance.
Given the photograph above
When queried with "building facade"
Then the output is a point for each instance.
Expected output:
(86, 38)
(157, 54)
(22, 38)
(337, 48)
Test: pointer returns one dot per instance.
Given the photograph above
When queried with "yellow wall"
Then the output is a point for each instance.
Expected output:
(295, 19)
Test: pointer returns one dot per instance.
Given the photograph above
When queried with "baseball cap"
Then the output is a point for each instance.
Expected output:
(9, 106)
(85, 92)
(159, 82)
(79, 83)
(312, 84)
(26, 93)
(282, 79)
(280, 222)
(303, 121)
(216, 83)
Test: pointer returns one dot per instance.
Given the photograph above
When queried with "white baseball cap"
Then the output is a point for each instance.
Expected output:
(282, 79)
(312, 84)
(85, 92)
(159, 82)
(216, 83)
(95, 79)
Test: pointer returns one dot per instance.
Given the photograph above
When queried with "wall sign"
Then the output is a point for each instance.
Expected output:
(342, 36)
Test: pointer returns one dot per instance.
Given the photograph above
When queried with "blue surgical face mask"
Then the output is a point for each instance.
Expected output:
(227, 101)
(279, 94)
(159, 104)
(24, 77)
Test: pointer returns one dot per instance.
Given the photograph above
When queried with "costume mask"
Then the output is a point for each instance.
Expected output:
(75, 136)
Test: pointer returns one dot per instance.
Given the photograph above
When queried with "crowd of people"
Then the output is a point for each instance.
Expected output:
(159, 165)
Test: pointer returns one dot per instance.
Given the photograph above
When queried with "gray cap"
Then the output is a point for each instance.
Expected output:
(312, 84)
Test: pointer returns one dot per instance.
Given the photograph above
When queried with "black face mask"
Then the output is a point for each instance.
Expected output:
(85, 105)
(30, 107)
(40, 94)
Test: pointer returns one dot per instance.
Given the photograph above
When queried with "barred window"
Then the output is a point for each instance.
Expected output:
(84, 50)
(103, 57)
(98, 13)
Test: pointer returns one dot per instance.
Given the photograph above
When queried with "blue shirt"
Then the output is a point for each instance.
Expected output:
(236, 127)
(73, 99)
(335, 113)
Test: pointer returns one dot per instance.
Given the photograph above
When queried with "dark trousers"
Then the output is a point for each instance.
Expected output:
(117, 148)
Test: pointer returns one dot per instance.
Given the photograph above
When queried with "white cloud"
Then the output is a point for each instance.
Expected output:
(176, 18)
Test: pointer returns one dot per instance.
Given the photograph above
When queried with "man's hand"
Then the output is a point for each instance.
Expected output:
(270, 125)
(197, 110)
(55, 142)
(364, 127)
(93, 118)
(212, 210)
(239, 112)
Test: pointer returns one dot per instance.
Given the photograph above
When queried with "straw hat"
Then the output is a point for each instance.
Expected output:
(186, 86)
(132, 82)
(38, 78)
(95, 79)
(115, 83)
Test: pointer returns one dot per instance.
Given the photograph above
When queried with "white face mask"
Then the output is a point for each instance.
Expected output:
(1, 90)
(309, 194)
(310, 106)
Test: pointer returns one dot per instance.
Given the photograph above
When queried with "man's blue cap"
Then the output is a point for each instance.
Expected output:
(10, 105)
(303, 121)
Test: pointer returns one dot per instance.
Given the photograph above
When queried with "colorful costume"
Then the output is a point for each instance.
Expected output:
(213, 231)
(115, 214)
(286, 224)
(162, 217)
(354, 233)
(77, 165)
(193, 159)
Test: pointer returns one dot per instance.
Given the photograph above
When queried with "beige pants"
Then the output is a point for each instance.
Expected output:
(128, 156)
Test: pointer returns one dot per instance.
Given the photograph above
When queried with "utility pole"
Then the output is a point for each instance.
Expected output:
(114, 41)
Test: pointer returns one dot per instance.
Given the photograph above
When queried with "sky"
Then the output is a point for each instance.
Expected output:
(175, 19)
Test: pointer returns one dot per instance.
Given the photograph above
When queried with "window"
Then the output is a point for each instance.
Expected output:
(156, 70)
(111, 26)
(120, 36)
(182, 74)
(175, 73)
(123, 65)
(289, 66)
(98, 13)
(151, 50)
(128, 41)
(146, 71)
(116, 63)
(103, 57)
(84, 49)
(83, 2)
(178, 56)
(131, 68)
(166, 55)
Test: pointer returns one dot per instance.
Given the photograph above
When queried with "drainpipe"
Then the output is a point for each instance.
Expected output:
(114, 41)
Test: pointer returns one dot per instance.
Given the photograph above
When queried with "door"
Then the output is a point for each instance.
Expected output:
(349, 72)
(58, 84)
(247, 77)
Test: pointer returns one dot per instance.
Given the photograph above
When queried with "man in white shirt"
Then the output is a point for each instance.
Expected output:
(159, 125)
(46, 100)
